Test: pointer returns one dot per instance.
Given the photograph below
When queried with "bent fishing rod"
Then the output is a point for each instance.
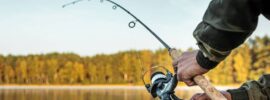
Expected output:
(132, 23)
(200, 80)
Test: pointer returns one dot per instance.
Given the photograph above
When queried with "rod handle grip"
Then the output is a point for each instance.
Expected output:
(208, 88)
(200, 80)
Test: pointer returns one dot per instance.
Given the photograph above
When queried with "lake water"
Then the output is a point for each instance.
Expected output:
(85, 92)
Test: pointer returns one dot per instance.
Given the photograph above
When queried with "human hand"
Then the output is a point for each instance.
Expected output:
(204, 96)
(188, 68)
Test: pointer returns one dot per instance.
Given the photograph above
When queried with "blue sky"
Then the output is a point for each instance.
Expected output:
(89, 27)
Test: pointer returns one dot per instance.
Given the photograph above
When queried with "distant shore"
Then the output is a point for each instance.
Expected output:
(93, 87)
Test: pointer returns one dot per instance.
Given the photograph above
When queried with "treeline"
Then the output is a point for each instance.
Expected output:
(247, 62)
(68, 68)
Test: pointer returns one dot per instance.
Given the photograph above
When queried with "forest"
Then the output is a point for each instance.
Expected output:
(247, 62)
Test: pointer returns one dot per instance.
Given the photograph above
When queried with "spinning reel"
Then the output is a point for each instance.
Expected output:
(162, 83)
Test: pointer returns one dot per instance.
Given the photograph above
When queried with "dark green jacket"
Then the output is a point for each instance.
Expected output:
(253, 90)
(226, 25)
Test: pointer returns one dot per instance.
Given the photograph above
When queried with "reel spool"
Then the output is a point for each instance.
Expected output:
(162, 83)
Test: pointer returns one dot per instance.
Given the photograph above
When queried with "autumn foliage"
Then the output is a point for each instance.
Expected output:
(247, 62)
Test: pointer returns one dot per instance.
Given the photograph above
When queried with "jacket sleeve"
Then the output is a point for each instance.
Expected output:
(253, 90)
(226, 25)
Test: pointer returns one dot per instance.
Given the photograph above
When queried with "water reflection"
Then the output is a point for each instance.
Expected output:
(84, 93)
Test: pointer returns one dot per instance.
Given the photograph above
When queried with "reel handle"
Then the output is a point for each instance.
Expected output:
(203, 83)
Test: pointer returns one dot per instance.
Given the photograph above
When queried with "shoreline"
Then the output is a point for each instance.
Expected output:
(95, 87)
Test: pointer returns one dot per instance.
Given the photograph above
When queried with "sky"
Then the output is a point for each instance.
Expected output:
(91, 27)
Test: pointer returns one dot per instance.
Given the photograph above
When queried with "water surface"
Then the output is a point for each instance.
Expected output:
(84, 93)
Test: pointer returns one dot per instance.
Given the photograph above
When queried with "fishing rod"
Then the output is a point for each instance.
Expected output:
(131, 24)
(162, 84)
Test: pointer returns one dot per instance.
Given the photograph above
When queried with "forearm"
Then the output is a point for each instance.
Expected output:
(226, 25)
(253, 90)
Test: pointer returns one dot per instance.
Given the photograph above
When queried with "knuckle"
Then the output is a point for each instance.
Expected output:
(179, 75)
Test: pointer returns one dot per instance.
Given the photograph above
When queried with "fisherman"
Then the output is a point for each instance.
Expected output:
(226, 25)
